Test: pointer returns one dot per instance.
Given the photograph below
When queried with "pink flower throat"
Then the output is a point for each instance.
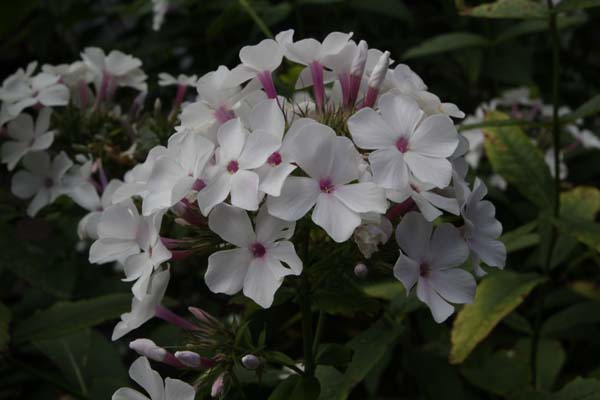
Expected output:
(258, 250)
(233, 167)
(274, 159)
(326, 185)
(402, 145)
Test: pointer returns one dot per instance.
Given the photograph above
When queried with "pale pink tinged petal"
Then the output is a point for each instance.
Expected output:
(165, 173)
(259, 146)
(292, 135)
(490, 251)
(18, 107)
(304, 79)
(315, 152)
(265, 56)
(141, 372)
(436, 137)
(197, 115)
(447, 248)
(227, 270)
(335, 42)
(85, 195)
(267, 116)
(57, 95)
(437, 171)
(21, 128)
(43, 121)
(285, 252)
(108, 250)
(43, 80)
(444, 203)
(413, 234)
(260, 284)
(400, 112)
(140, 287)
(346, 161)
(370, 131)
(240, 74)
(298, 195)
(406, 270)
(389, 168)
(303, 51)
(427, 209)
(160, 253)
(232, 225)
(479, 191)
(38, 163)
(156, 201)
(454, 285)
(215, 192)
(482, 216)
(40, 200)
(128, 394)
(194, 153)
(272, 178)
(119, 221)
(244, 190)
(232, 138)
(362, 197)
(12, 152)
(135, 266)
(181, 189)
(270, 229)
(60, 165)
(335, 218)
(43, 141)
(440, 309)
(119, 63)
(178, 390)
(24, 184)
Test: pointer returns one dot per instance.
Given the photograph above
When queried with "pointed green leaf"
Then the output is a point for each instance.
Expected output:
(590, 107)
(578, 389)
(518, 160)
(580, 314)
(446, 42)
(572, 5)
(517, 9)
(497, 296)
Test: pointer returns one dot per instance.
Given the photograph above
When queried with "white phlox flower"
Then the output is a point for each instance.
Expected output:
(157, 389)
(256, 265)
(405, 140)
(41, 179)
(88, 225)
(136, 179)
(331, 163)
(42, 89)
(165, 79)
(428, 258)
(113, 70)
(159, 11)
(27, 137)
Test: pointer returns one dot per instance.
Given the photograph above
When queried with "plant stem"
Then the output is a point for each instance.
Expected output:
(556, 203)
(318, 332)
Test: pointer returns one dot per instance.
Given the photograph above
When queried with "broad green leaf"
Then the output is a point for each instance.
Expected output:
(579, 389)
(497, 296)
(590, 107)
(572, 5)
(518, 322)
(517, 9)
(4, 326)
(278, 357)
(550, 359)
(520, 238)
(434, 377)
(67, 317)
(537, 25)
(518, 160)
(297, 387)
(581, 314)
(587, 289)
(446, 42)
(386, 290)
(585, 231)
(369, 348)
(581, 202)
(334, 354)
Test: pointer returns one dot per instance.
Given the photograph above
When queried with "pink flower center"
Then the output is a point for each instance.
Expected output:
(424, 270)
(326, 185)
(48, 182)
(402, 145)
(274, 159)
(233, 167)
(223, 114)
(198, 185)
(258, 250)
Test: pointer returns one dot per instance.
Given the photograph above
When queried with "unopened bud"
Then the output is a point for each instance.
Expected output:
(250, 361)
(361, 271)
(149, 349)
(202, 315)
(379, 71)
(360, 59)
(218, 386)
(157, 106)
(189, 358)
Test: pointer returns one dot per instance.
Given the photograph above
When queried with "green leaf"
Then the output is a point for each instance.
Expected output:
(587, 289)
(520, 238)
(581, 229)
(550, 358)
(497, 296)
(4, 326)
(519, 161)
(386, 290)
(278, 357)
(334, 354)
(67, 317)
(579, 389)
(369, 348)
(297, 387)
(517, 9)
(572, 5)
(536, 26)
(581, 202)
(585, 313)
(344, 300)
(446, 42)
(590, 107)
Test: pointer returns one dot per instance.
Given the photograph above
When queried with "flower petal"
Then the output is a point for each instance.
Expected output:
(454, 285)
(285, 252)
(315, 152)
(270, 229)
(232, 137)
(490, 251)
(244, 190)
(370, 131)
(402, 113)
(406, 270)
(141, 372)
(447, 248)
(227, 270)
(389, 168)
(362, 197)
(215, 192)
(335, 218)
(260, 284)
(437, 171)
(232, 225)
(267, 116)
(178, 390)
(259, 146)
(298, 195)
(440, 309)
(413, 235)
(436, 136)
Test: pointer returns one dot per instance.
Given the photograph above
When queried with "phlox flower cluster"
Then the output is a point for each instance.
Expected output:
(360, 152)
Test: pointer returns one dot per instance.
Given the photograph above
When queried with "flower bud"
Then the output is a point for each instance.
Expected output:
(218, 386)
(360, 59)
(149, 349)
(361, 271)
(379, 71)
(250, 361)
(189, 358)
